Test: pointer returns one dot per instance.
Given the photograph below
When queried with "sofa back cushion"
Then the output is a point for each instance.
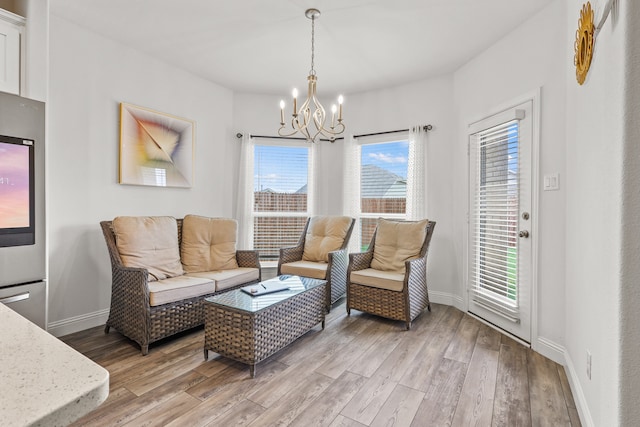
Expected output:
(397, 242)
(149, 242)
(208, 244)
(325, 234)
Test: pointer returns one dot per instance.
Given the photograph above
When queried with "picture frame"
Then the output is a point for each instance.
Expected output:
(156, 149)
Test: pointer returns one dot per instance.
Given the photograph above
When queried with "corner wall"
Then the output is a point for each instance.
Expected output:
(89, 77)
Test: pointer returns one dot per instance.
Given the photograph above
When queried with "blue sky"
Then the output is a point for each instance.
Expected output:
(274, 168)
(392, 156)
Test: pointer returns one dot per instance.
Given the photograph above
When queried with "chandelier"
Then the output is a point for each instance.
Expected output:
(311, 119)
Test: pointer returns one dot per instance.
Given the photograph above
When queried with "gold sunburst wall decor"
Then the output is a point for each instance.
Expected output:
(584, 42)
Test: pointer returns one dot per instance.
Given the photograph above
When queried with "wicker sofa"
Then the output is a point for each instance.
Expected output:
(163, 268)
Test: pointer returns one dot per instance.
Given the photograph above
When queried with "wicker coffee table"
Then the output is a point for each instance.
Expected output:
(251, 328)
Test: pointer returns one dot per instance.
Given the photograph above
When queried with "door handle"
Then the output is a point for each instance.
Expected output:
(524, 233)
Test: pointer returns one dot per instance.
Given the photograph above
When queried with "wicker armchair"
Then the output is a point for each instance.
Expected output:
(131, 312)
(394, 295)
(334, 271)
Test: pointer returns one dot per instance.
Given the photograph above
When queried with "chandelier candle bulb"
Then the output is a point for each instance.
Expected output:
(281, 112)
(340, 101)
(295, 101)
(333, 115)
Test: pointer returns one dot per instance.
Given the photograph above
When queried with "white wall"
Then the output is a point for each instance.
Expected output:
(596, 115)
(89, 77)
(425, 102)
(527, 59)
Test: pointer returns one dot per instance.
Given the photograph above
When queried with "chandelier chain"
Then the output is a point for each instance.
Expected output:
(313, 32)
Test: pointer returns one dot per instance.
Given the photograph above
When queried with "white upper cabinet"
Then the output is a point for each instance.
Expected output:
(11, 30)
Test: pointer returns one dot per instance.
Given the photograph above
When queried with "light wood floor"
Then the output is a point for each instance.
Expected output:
(449, 369)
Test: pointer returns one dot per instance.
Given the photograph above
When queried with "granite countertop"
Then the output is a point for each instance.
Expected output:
(43, 381)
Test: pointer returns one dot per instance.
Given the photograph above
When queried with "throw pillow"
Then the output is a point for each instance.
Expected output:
(325, 234)
(149, 242)
(208, 244)
(397, 242)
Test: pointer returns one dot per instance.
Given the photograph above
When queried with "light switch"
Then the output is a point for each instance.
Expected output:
(551, 182)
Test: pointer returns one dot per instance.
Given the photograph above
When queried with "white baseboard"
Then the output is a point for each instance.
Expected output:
(78, 323)
(458, 303)
(578, 394)
(550, 350)
(559, 354)
(440, 298)
(445, 298)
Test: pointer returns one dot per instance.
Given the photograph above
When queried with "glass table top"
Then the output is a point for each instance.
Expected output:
(241, 300)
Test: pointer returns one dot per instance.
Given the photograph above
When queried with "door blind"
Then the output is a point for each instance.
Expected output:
(493, 221)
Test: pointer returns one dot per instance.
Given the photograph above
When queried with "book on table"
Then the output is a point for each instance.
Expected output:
(265, 287)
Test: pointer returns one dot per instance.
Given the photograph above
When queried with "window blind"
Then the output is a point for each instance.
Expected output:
(281, 199)
(493, 222)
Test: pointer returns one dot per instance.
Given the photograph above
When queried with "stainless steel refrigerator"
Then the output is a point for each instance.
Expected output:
(23, 285)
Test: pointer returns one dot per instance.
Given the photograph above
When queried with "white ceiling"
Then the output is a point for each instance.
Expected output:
(264, 46)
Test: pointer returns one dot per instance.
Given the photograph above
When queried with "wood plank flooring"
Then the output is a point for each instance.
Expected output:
(449, 369)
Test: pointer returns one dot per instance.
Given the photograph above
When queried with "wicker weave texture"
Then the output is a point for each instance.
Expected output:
(248, 259)
(252, 337)
(381, 302)
(291, 254)
(418, 294)
(130, 312)
(337, 275)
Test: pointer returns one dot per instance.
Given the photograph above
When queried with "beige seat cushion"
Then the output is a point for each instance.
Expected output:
(390, 280)
(179, 288)
(226, 279)
(315, 270)
(397, 242)
(149, 242)
(208, 243)
(324, 234)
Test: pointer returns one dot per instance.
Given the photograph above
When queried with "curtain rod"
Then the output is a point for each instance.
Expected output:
(425, 128)
(240, 135)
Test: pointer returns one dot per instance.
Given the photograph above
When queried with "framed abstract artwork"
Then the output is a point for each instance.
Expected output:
(156, 149)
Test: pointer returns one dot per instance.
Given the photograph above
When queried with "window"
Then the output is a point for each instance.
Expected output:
(494, 213)
(281, 202)
(384, 176)
(383, 185)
